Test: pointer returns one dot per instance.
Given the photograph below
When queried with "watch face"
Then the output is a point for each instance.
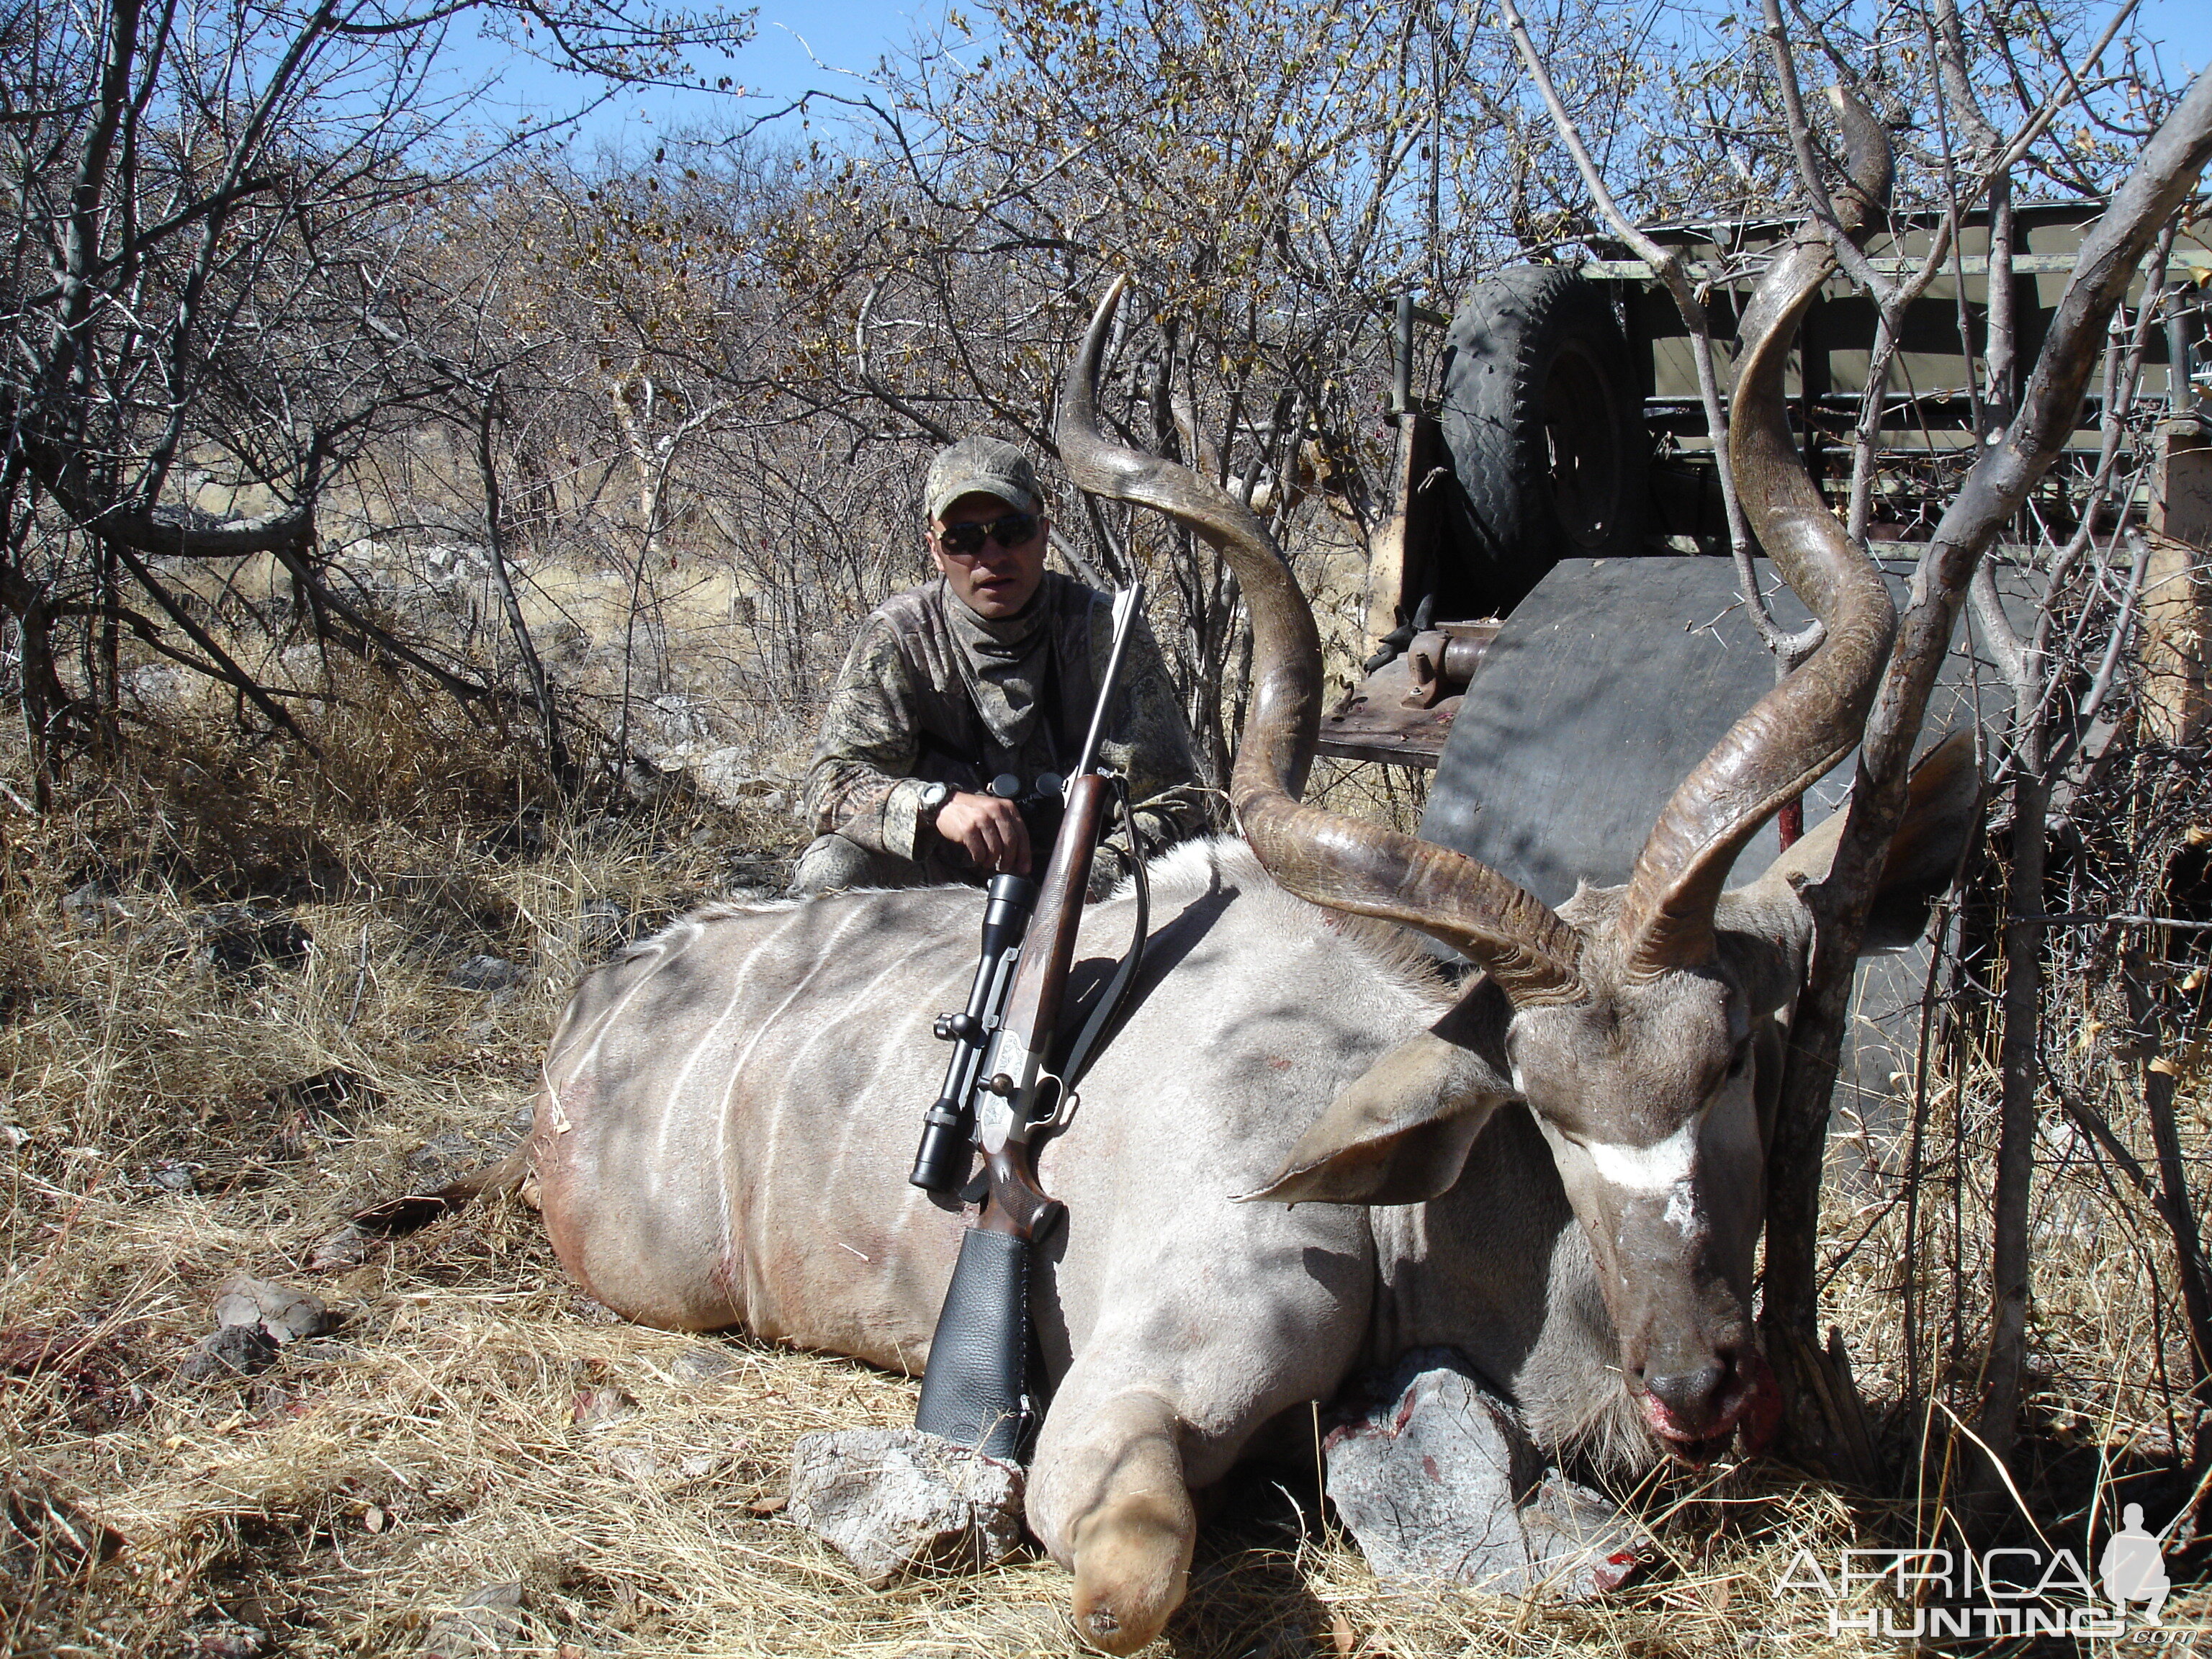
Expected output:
(934, 797)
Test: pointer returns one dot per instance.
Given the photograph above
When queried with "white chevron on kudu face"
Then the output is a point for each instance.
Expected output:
(1659, 1168)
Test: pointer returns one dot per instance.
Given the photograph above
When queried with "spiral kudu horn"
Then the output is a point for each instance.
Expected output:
(1811, 720)
(1319, 856)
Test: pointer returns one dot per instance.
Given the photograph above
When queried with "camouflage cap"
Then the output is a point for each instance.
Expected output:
(982, 467)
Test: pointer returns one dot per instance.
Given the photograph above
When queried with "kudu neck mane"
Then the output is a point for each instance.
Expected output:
(1196, 869)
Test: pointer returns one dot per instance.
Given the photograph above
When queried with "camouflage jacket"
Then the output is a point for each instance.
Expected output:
(931, 692)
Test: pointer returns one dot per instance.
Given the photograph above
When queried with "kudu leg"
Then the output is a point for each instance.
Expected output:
(1109, 1498)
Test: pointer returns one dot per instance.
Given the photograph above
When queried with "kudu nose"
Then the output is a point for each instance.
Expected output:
(1689, 1396)
(1695, 1400)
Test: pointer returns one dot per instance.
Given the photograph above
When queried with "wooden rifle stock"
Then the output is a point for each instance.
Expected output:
(1015, 1071)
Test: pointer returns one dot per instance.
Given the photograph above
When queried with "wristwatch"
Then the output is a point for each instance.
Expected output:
(934, 796)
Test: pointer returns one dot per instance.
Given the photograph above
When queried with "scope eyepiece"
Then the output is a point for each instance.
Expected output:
(940, 1163)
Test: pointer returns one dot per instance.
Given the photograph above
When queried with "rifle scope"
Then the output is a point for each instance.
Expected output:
(947, 1133)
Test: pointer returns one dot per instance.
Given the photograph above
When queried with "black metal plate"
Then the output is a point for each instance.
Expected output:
(1607, 683)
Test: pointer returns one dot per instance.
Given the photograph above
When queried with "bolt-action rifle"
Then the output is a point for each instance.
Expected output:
(975, 1390)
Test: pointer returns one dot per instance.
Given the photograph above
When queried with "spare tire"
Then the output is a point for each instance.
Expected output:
(1545, 426)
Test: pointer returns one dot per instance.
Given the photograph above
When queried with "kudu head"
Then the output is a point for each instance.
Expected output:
(1637, 1023)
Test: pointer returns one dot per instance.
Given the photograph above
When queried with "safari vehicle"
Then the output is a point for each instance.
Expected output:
(1557, 524)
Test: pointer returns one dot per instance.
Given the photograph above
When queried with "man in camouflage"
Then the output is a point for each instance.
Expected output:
(990, 670)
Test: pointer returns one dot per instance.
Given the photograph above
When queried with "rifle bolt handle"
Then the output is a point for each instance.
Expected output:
(1001, 1086)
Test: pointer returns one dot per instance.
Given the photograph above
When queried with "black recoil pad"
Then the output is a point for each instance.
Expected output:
(972, 1392)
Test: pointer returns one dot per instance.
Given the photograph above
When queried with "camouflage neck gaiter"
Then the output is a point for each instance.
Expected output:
(1004, 661)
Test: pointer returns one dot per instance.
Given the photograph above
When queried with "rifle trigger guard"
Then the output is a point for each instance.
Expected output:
(1065, 1100)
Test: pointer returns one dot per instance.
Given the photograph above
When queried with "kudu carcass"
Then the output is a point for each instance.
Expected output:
(1555, 1169)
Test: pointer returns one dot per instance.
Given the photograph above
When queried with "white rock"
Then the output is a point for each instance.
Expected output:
(893, 1500)
(285, 1314)
(1580, 1545)
(1440, 1483)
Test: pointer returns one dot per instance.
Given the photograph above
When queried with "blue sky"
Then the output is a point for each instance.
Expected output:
(819, 45)
(801, 47)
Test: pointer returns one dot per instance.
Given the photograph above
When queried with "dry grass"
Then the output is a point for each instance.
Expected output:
(474, 1422)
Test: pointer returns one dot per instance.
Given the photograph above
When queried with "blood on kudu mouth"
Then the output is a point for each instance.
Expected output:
(1750, 1407)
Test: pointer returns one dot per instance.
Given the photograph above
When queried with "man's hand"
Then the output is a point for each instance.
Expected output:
(990, 829)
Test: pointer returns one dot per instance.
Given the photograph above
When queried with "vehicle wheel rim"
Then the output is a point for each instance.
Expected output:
(1579, 426)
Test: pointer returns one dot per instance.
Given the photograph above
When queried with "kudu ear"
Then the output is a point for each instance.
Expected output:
(1400, 1133)
(1942, 810)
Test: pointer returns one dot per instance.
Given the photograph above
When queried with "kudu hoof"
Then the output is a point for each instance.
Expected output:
(1110, 1630)
(1132, 1571)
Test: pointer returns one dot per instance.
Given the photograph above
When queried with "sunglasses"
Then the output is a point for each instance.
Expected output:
(1009, 530)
